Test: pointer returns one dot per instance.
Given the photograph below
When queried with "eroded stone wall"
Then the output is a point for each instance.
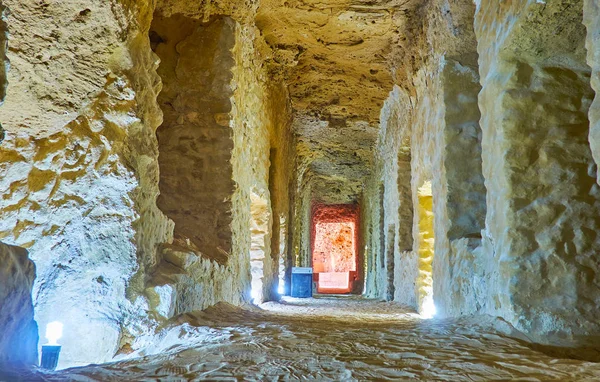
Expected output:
(80, 171)
(282, 173)
(396, 208)
(18, 344)
(542, 193)
(4, 64)
(247, 110)
(430, 135)
(502, 124)
(524, 128)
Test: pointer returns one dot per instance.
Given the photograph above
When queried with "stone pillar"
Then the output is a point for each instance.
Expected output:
(543, 202)
(461, 204)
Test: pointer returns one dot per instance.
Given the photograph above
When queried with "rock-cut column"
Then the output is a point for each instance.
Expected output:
(543, 214)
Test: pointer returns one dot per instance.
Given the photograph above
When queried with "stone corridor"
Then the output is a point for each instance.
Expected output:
(173, 172)
(337, 339)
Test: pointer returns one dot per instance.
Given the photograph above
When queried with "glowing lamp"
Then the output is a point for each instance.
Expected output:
(54, 332)
(51, 351)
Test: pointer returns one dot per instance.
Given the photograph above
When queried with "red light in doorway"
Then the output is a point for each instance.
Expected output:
(334, 247)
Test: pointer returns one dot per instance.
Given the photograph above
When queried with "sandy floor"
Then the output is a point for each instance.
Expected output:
(339, 339)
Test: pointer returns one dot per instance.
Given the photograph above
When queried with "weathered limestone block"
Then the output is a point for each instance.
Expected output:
(465, 199)
(3, 59)
(336, 165)
(430, 135)
(54, 68)
(282, 171)
(215, 156)
(184, 282)
(543, 199)
(394, 159)
(78, 169)
(260, 261)
(474, 279)
(18, 343)
(335, 244)
(254, 117)
(425, 242)
(428, 179)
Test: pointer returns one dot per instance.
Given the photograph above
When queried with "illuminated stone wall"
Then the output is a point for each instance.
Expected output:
(543, 198)
(333, 250)
(18, 344)
(195, 139)
(80, 165)
(591, 19)
(502, 123)
(426, 245)
(78, 168)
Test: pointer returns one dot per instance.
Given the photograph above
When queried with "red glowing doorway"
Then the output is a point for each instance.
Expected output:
(335, 248)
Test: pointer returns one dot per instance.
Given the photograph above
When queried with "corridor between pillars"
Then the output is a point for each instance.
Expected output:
(168, 165)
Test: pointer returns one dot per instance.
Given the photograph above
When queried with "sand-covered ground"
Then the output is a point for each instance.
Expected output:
(334, 339)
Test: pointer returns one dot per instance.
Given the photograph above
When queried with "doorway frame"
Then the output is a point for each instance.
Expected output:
(338, 213)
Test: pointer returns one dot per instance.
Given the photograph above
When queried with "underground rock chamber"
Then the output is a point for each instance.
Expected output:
(166, 167)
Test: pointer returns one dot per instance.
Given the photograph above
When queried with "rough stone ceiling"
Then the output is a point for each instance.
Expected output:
(334, 54)
(334, 58)
(338, 158)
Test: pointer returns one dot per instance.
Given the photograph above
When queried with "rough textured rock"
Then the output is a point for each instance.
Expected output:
(3, 59)
(335, 245)
(18, 344)
(195, 139)
(164, 156)
(335, 166)
(532, 261)
(334, 249)
(233, 121)
(80, 170)
(391, 194)
(430, 135)
(542, 195)
(426, 246)
(333, 56)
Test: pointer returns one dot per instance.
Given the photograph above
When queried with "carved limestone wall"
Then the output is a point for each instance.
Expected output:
(543, 198)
